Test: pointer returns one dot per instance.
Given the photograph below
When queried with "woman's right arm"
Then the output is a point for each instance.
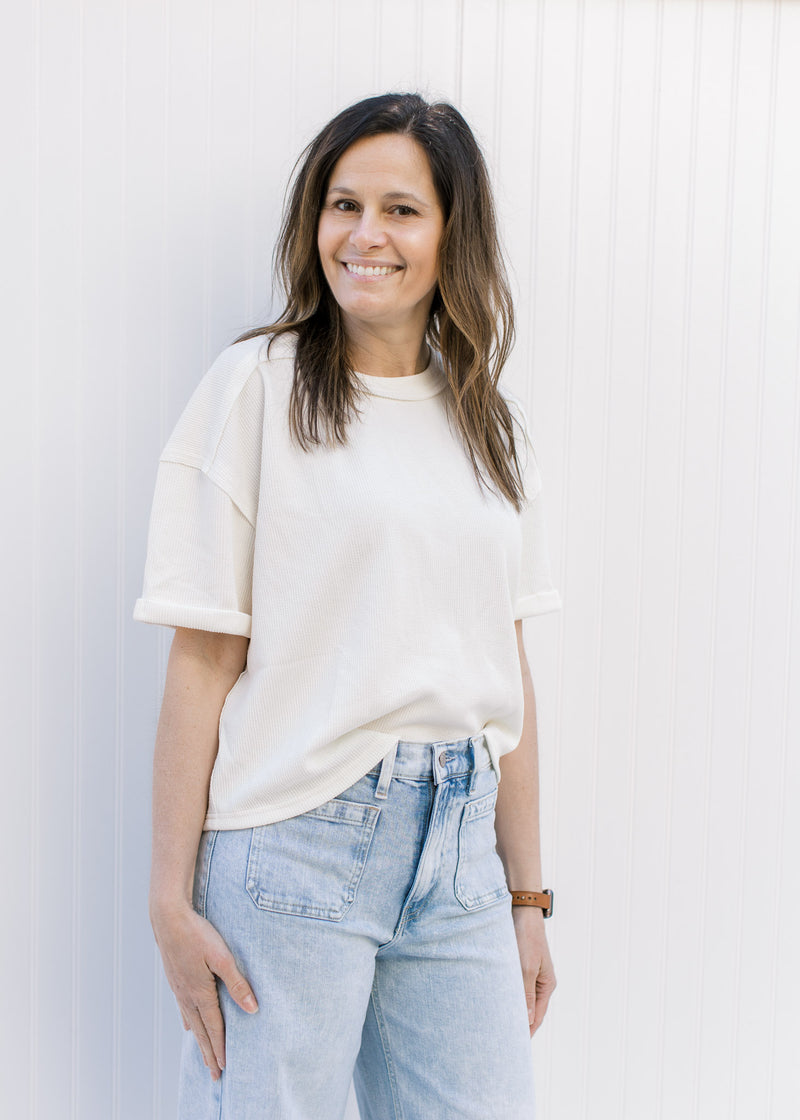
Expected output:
(202, 669)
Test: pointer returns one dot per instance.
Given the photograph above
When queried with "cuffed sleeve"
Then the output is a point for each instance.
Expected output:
(199, 567)
(536, 593)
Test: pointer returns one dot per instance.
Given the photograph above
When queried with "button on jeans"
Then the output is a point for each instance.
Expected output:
(376, 932)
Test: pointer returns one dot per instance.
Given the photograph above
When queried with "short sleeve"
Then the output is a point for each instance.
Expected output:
(536, 593)
(199, 566)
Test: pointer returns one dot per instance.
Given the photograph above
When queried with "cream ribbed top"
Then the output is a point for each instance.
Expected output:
(378, 583)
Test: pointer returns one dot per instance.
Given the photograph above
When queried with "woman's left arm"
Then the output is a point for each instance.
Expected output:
(518, 844)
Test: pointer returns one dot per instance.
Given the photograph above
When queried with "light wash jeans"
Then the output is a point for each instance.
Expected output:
(376, 932)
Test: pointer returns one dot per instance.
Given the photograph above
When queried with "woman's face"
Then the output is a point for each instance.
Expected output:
(379, 233)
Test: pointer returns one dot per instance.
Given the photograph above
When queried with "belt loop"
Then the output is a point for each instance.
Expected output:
(474, 753)
(385, 778)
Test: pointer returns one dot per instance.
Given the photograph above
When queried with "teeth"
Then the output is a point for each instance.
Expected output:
(370, 270)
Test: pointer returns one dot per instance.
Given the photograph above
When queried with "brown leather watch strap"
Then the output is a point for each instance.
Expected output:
(542, 899)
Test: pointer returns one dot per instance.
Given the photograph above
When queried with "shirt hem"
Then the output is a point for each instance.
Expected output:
(271, 814)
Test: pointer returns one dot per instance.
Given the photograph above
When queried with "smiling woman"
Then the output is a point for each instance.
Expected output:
(470, 324)
(346, 533)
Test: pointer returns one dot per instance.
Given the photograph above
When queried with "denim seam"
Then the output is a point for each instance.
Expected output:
(397, 1106)
(207, 873)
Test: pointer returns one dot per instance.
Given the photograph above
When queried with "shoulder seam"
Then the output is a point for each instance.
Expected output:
(254, 360)
(206, 468)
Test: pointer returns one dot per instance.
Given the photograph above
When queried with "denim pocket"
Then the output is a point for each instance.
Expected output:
(480, 876)
(311, 864)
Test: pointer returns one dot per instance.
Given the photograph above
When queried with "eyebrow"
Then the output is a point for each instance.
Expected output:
(390, 196)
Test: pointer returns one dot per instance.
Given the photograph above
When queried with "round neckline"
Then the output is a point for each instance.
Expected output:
(411, 387)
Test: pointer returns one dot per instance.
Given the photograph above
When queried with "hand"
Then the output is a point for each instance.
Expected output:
(194, 955)
(537, 967)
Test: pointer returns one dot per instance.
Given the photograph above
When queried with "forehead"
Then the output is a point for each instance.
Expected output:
(386, 162)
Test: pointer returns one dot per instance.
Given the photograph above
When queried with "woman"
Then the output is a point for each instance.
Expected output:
(346, 534)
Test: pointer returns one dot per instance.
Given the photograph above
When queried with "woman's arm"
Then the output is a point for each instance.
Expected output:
(518, 844)
(202, 669)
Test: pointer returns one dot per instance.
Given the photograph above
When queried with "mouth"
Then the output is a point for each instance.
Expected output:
(370, 271)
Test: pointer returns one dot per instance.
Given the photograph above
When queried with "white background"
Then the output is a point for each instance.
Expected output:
(646, 160)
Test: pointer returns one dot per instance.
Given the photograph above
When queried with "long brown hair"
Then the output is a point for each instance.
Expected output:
(471, 322)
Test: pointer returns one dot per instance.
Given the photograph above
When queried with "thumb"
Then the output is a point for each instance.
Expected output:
(238, 988)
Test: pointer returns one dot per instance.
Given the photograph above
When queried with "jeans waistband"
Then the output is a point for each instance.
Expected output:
(439, 760)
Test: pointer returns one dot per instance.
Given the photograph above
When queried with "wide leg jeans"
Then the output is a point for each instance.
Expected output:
(376, 932)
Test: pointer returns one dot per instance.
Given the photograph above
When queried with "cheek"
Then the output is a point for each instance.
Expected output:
(428, 257)
(326, 241)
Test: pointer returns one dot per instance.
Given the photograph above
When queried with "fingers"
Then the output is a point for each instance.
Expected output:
(213, 1055)
(215, 1031)
(530, 999)
(206, 1018)
(537, 1007)
(201, 1014)
(538, 1000)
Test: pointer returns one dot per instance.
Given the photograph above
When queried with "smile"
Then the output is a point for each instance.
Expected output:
(371, 270)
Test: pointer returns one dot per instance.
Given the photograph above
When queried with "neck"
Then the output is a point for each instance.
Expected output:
(380, 356)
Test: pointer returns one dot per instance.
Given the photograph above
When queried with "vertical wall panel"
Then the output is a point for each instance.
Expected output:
(647, 172)
(19, 285)
(724, 912)
(100, 382)
(57, 674)
(782, 476)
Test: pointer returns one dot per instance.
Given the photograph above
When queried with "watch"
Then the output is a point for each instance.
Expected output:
(542, 899)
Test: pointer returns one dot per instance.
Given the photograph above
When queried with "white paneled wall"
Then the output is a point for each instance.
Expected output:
(648, 172)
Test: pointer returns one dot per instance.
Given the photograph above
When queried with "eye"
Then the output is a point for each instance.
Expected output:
(403, 211)
(345, 206)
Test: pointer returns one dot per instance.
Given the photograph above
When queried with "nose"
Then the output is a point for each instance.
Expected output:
(368, 231)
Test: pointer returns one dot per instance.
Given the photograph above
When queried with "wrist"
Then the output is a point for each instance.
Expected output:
(163, 905)
(528, 917)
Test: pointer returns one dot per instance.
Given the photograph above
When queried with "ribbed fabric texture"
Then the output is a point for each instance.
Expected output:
(378, 582)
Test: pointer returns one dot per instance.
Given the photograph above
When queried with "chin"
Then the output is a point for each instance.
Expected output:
(368, 310)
